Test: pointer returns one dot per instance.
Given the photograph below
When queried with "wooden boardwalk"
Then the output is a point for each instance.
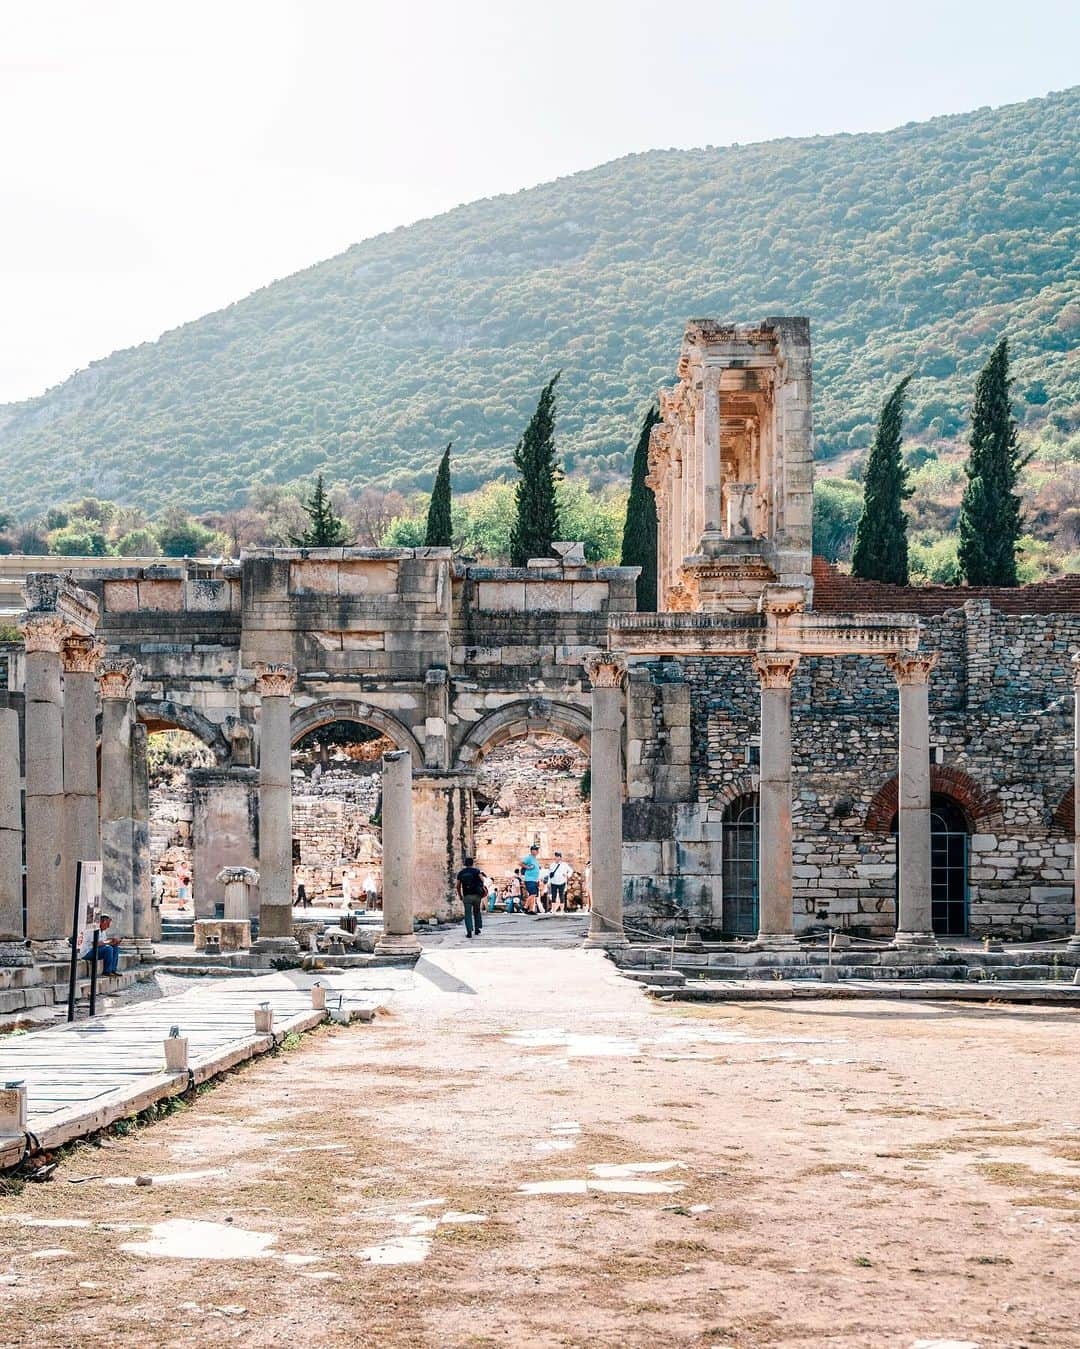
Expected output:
(84, 1076)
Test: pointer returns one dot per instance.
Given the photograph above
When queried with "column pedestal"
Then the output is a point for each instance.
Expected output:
(606, 671)
(274, 684)
(914, 918)
(398, 939)
(776, 918)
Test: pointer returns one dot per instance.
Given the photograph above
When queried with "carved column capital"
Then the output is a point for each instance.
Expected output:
(274, 681)
(912, 667)
(117, 675)
(775, 669)
(606, 669)
(43, 632)
(81, 655)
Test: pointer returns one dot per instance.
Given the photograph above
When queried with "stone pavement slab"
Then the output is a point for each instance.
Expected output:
(83, 1076)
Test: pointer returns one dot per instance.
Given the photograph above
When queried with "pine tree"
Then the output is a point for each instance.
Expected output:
(536, 526)
(326, 529)
(439, 532)
(881, 546)
(990, 509)
(639, 531)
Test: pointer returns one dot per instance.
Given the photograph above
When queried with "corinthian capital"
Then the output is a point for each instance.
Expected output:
(81, 655)
(912, 667)
(117, 676)
(43, 632)
(775, 669)
(274, 681)
(606, 669)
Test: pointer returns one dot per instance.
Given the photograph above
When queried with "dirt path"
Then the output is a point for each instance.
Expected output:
(842, 1174)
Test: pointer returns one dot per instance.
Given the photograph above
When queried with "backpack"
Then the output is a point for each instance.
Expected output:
(472, 882)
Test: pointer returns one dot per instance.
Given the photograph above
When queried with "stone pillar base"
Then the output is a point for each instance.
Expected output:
(277, 946)
(774, 941)
(605, 940)
(15, 954)
(398, 944)
(923, 939)
(1074, 942)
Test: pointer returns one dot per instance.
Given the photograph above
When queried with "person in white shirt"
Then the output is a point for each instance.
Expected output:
(559, 874)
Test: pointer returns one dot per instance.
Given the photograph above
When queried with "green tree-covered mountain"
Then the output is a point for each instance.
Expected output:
(912, 249)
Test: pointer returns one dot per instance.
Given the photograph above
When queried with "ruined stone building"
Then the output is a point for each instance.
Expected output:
(755, 746)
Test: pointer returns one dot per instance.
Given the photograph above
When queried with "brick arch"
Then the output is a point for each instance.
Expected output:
(982, 805)
(305, 719)
(519, 719)
(1064, 817)
(745, 784)
(163, 714)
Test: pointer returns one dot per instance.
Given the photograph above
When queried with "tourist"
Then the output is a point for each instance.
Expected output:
(559, 874)
(183, 880)
(530, 874)
(302, 896)
(108, 952)
(492, 892)
(513, 893)
(371, 892)
(586, 889)
(470, 890)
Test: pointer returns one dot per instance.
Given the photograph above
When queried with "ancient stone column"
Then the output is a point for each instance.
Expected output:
(1074, 941)
(142, 906)
(117, 679)
(776, 919)
(11, 908)
(48, 908)
(710, 443)
(398, 937)
(606, 671)
(914, 918)
(81, 657)
(274, 685)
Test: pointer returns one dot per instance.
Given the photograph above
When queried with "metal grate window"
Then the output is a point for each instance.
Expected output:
(740, 867)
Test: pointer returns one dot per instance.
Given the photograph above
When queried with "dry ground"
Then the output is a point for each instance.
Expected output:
(848, 1174)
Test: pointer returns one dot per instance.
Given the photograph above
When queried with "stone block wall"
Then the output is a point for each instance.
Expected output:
(1001, 732)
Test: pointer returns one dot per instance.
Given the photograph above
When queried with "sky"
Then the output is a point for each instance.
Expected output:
(159, 160)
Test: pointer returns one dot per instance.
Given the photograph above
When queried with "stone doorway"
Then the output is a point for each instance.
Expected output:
(740, 867)
(533, 789)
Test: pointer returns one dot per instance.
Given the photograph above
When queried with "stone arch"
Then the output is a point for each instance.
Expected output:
(982, 805)
(1063, 819)
(522, 718)
(305, 719)
(162, 714)
(744, 784)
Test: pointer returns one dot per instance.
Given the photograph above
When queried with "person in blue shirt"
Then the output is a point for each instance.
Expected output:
(530, 874)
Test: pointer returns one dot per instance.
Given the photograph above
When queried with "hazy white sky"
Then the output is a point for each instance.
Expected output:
(159, 159)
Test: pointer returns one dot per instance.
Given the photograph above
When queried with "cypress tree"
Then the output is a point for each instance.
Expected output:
(326, 529)
(439, 532)
(536, 526)
(639, 531)
(990, 509)
(881, 546)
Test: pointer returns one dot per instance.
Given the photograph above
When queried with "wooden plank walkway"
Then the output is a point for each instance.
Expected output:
(83, 1076)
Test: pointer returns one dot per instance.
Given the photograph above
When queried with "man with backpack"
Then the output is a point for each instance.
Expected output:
(471, 889)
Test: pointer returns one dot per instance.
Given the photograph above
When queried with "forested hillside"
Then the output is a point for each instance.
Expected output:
(909, 250)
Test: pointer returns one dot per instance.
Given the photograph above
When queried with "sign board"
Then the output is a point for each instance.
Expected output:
(88, 904)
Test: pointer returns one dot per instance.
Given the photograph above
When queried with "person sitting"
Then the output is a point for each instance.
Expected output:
(108, 951)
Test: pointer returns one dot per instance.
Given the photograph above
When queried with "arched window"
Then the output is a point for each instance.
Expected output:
(949, 831)
(740, 866)
(948, 867)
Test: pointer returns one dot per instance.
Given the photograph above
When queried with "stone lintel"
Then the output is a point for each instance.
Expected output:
(48, 592)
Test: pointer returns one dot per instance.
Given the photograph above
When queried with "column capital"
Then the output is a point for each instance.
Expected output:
(912, 667)
(606, 669)
(43, 632)
(1076, 669)
(274, 680)
(117, 675)
(81, 654)
(775, 669)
